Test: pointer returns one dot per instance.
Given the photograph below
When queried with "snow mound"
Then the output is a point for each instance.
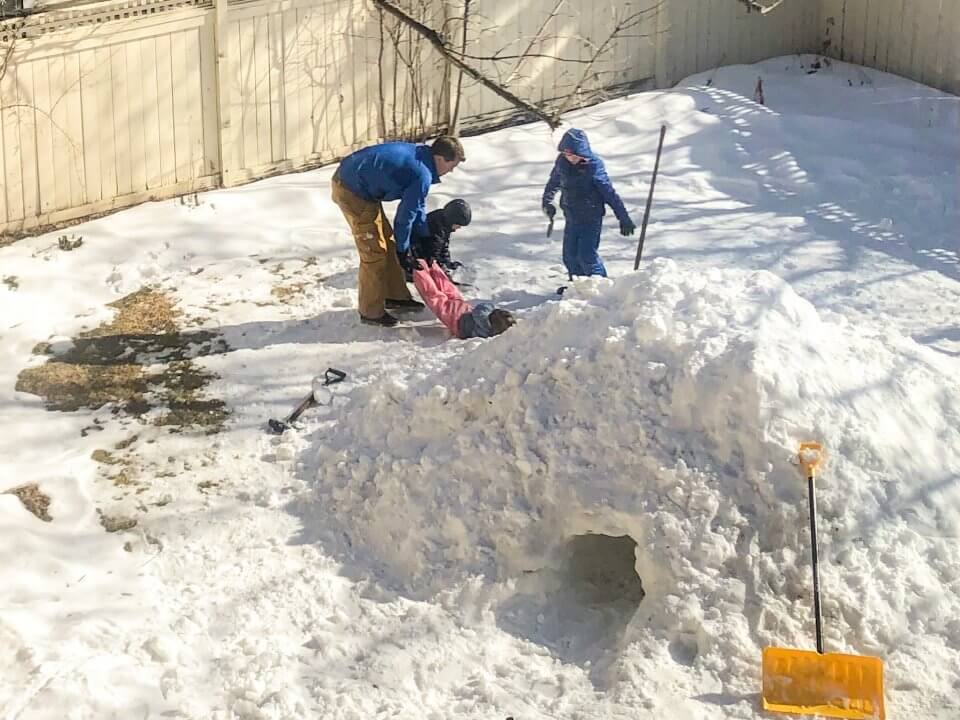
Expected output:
(668, 406)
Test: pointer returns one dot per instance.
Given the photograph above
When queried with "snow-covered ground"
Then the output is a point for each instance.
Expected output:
(594, 515)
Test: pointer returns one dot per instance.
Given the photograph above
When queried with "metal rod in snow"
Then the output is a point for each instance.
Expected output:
(646, 213)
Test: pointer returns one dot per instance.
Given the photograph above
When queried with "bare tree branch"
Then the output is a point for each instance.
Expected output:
(501, 58)
(455, 119)
(394, 35)
(381, 97)
(6, 50)
(526, 53)
(441, 46)
(626, 23)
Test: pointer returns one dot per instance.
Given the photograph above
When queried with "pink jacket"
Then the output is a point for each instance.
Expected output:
(440, 295)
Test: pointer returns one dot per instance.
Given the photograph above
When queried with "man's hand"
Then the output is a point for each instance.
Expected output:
(627, 227)
(550, 210)
(407, 261)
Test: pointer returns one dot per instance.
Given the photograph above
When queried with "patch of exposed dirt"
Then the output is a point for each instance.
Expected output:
(11, 282)
(284, 293)
(296, 276)
(124, 444)
(34, 500)
(145, 311)
(116, 523)
(68, 387)
(121, 470)
(107, 365)
(181, 386)
(104, 457)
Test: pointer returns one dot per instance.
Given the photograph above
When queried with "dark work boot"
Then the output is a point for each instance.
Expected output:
(385, 320)
(409, 305)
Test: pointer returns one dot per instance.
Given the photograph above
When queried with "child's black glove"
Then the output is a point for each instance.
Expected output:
(550, 210)
(627, 227)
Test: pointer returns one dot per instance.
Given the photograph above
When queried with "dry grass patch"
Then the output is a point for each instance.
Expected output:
(34, 500)
(68, 387)
(106, 366)
(104, 457)
(181, 387)
(116, 523)
(284, 293)
(122, 470)
(124, 444)
(145, 312)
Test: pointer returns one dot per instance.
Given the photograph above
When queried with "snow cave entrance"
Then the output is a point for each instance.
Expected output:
(579, 607)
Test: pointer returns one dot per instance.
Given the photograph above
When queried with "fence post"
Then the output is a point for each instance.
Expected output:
(661, 48)
(223, 107)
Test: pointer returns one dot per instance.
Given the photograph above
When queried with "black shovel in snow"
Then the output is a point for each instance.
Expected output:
(330, 377)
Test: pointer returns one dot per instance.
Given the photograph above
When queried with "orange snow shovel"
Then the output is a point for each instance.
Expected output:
(819, 683)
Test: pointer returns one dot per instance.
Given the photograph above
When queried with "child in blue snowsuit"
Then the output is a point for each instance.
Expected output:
(585, 189)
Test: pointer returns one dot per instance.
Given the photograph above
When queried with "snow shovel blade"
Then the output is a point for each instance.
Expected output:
(829, 684)
(277, 427)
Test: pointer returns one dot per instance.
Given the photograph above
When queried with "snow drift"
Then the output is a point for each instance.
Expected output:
(667, 406)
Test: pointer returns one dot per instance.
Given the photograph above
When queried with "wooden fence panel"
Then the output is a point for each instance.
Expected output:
(12, 160)
(918, 39)
(98, 112)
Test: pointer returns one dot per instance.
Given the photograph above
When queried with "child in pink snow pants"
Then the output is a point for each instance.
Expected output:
(459, 317)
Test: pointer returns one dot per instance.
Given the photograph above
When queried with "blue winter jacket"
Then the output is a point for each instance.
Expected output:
(584, 188)
(394, 171)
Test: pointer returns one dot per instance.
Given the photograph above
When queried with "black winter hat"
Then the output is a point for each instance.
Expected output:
(457, 212)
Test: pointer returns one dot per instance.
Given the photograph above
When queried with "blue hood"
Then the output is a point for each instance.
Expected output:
(575, 140)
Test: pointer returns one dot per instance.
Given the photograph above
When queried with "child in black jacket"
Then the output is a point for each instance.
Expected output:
(441, 223)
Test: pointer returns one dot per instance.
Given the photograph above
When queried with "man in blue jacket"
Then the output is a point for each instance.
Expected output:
(585, 189)
(389, 171)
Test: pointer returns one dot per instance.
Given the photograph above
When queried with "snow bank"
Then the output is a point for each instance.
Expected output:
(667, 406)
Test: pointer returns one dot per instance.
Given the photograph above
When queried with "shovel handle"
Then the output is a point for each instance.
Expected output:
(810, 455)
(333, 376)
(330, 377)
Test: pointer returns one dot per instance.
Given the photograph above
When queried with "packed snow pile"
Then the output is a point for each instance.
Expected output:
(667, 406)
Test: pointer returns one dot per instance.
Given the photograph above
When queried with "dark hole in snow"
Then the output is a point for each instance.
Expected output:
(580, 608)
(684, 650)
(602, 569)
